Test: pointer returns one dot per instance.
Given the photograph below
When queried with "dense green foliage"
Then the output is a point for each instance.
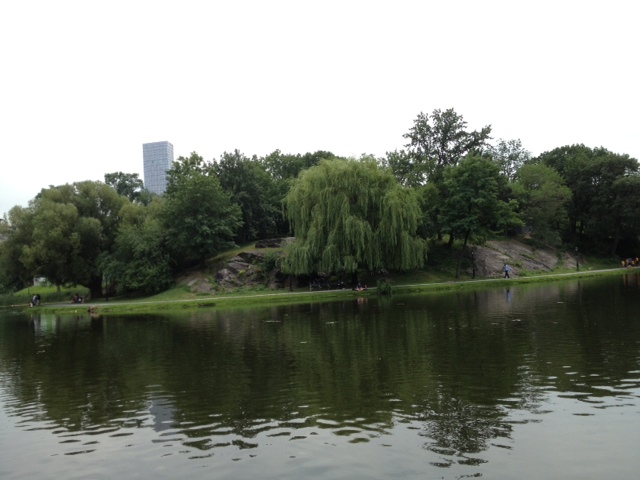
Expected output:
(435, 141)
(352, 214)
(62, 235)
(472, 207)
(510, 156)
(128, 185)
(543, 200)
(200, 218)
(139, 260)
(16, 232)
(283, 170)
(347, 214)
(287, 167)
(254, 191)
(603, 210)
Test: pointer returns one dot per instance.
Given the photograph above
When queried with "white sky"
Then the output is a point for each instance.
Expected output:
(83, 84)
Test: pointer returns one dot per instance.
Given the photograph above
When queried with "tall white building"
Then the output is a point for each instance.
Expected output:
(158, 157)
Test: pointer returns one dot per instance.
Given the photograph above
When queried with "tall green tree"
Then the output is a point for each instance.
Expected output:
(140, 259)
(407, 170)
(352, 214)
(200, 216)
(126, 184)
(615, 216)
(54, 249)
(254, 191)
(472, 208)
(440, 140)
(283, 166)
(16, 232)
(73, 225)
(185, 168)
(592, 175)
(543, 199)
(573, 163)
(435, 142)
(509, 155)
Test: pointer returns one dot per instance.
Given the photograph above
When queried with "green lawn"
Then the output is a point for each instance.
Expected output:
(48, 294)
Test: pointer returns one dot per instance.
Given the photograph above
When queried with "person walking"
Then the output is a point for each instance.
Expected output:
(507, 269)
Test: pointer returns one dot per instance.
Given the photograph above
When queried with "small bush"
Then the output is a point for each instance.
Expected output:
(271, 261)
(384, 286)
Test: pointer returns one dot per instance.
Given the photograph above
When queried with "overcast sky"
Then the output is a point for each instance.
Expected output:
(83, 84)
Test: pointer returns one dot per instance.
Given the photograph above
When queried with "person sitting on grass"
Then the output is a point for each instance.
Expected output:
(77, 298)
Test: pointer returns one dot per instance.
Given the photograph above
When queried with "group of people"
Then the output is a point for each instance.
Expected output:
(630, 262)
(35, 299)
(360, 288)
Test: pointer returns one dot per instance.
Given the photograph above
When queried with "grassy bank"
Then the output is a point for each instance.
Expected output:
(48, 295)
(439, 275)
(179, 298)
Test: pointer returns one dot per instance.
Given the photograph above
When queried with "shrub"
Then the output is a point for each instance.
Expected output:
(271, 261)
(384, 286)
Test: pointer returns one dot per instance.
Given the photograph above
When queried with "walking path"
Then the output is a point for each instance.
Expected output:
(214, 298)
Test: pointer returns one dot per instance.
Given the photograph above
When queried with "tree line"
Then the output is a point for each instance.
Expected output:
(447, 183)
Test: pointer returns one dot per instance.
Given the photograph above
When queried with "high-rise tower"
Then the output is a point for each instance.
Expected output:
(158, 157)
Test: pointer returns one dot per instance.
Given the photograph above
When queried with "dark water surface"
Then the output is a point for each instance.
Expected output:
(527, 382)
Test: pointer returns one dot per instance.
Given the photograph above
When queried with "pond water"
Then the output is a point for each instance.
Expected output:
(527, 382)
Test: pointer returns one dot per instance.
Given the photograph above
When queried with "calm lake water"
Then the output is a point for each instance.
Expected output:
(526, 382)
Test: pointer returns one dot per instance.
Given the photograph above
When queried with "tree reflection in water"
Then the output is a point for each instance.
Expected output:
(458, 369)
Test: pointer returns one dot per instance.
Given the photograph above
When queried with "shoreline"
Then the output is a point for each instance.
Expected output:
(248, 299)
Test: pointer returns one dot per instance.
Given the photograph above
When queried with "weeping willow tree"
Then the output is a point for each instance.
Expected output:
(351, 214)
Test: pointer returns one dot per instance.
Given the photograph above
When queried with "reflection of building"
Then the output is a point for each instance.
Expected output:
(157, 157)
(162, 411)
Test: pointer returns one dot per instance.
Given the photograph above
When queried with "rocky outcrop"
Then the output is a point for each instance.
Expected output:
(241, 270)
(244, 270)
(254, 268)
(491, 257)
